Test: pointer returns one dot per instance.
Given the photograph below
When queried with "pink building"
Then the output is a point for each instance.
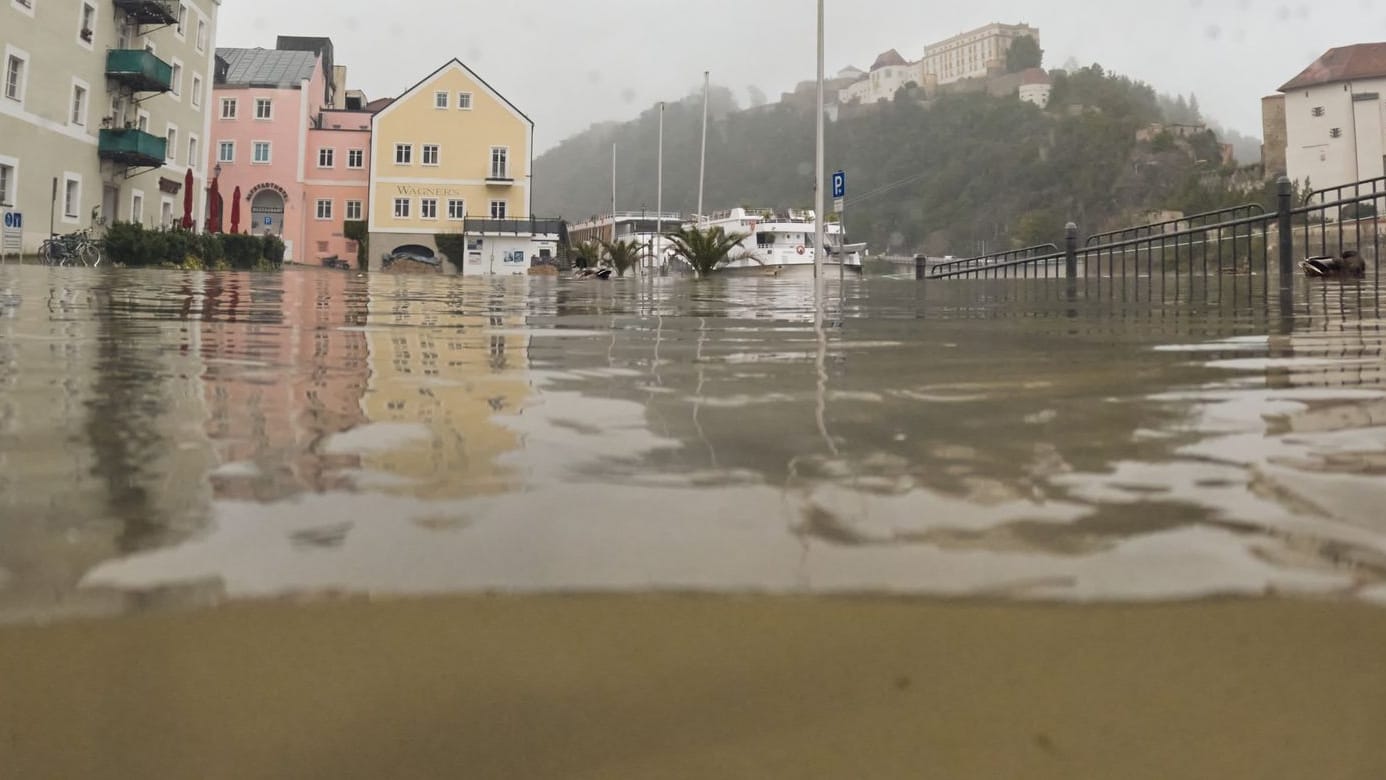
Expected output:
(287, 133)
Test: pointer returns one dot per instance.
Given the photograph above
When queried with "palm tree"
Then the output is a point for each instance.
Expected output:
(624, 255)
(704, 249)
(585, 254)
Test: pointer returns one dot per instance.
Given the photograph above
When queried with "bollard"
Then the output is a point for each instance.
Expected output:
(1284, 197)
(921, 268)
(1071, 250)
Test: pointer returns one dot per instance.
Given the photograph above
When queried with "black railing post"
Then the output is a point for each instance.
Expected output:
(1071, 250)
(1284, 204)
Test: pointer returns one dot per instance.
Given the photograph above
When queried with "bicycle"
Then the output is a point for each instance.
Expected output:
(72, 247)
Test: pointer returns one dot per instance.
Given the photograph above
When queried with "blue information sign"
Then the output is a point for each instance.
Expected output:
(840, 184)
(14, 220)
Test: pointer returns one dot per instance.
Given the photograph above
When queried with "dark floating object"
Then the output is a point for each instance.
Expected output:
(1349, 266)
(593, 273)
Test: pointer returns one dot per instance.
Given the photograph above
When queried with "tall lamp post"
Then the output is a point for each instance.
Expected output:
(819, 210)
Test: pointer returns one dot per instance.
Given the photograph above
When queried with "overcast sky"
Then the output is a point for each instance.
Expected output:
(571, 63)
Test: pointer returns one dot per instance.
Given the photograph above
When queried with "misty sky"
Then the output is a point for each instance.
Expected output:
(569, 64)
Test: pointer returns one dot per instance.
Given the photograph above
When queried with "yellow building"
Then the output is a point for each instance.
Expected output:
(452, 155)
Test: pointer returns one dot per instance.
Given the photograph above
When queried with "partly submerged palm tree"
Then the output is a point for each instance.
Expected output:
(704, 249)
(624, 255)
(585, 254)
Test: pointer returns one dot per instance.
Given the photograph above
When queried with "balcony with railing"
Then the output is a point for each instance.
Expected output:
(139, 70)
(132, 147)
(149, 11)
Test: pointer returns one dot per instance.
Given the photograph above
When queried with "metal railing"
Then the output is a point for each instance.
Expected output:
(1241, 248)
(1176, 225)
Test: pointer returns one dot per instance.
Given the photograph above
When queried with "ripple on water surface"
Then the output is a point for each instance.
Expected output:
(183, 436)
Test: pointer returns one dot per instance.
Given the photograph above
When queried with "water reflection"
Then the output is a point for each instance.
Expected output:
(199, 436)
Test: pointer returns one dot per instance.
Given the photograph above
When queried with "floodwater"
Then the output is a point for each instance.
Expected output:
(676, 529)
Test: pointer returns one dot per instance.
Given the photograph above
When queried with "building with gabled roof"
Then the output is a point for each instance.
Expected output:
(1330, 119)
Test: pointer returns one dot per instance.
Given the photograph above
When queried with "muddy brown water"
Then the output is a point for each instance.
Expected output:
(319, 524)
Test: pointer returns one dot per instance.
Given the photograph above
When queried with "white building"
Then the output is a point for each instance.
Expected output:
(1036, 87)
(104, 108)
(974, 54)
(1334, 117)
(889, 74)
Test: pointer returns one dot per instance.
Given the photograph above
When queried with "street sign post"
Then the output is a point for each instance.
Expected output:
(840, 206)
(11, 234)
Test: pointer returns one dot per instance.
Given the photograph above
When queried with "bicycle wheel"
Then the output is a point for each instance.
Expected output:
(51, 252)
(90, 253)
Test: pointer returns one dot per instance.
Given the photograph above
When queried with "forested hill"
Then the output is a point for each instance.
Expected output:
(948, 175)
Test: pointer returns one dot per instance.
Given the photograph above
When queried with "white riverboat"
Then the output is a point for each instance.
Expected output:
(779, 243)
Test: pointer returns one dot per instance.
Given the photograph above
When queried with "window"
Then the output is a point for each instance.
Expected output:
(404, 154)
(457, 210)
(261, 153)
(72, 196)
(192, 151)
(14, 77)
(201, 35)
(356, 158)
(440, 100)
(79, 105)
(7, 176)
(1317, 111)
(401, 208)
(264, 108)
(497, 209)
(353, 210)
(324, 209)
(1336, 132)
(177, 81)
(464, 101)
(228, 108)
(142, 121)
(226, 152)
(326, 158)
(171, 137)
(136, 207)
(197, 91)
(182, 29)
(500, 162)
(430, 154)
(428, 208)
(86, 25)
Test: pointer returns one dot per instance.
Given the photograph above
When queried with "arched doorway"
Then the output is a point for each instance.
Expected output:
(267, 213)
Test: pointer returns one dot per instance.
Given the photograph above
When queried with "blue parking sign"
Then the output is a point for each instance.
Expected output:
(840, 184)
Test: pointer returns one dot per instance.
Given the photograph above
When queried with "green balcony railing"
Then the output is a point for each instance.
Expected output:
(149, 11)
(139, 69)
(133, 147)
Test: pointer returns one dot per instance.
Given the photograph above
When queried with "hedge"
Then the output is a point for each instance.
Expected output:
(131, 244)
(454, 247)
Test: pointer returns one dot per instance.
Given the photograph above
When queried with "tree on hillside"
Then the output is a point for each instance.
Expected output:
(1025, 53)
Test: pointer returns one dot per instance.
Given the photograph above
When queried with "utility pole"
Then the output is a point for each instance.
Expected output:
(659, 196)
(819, 210)
(702, 164)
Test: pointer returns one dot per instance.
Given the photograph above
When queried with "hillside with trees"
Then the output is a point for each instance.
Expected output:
(952, 175)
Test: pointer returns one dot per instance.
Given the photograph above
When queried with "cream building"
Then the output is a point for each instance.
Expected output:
(452, 155)
(103, 110)
(974, 54)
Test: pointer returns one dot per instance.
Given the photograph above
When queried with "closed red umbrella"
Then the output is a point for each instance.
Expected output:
(214, 208)
(188, 201)
(236, 211)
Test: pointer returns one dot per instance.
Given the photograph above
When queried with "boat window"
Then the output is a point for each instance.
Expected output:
(765, 239)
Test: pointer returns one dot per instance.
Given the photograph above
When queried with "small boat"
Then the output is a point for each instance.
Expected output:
(601, 274)
(1350, 266)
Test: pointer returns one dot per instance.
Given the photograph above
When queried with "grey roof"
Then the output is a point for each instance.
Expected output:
(267, 67)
